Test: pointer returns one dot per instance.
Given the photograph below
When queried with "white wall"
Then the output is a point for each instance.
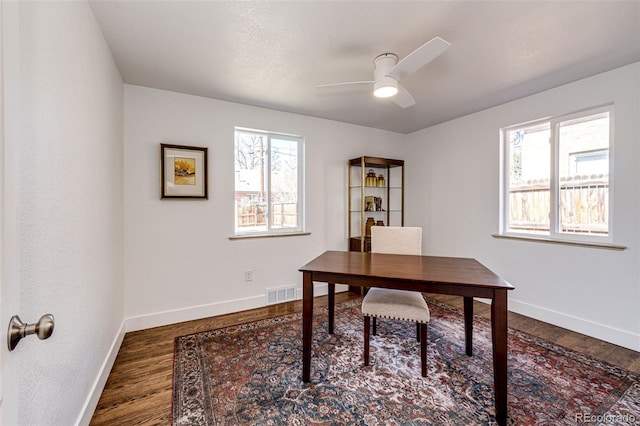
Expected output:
(453, 186)
(179, 261)
(67, 109)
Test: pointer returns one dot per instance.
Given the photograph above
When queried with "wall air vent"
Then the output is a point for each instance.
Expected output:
(281, 294)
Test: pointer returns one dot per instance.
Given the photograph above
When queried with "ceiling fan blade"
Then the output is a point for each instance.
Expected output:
(403, 98)
(419, 58)
(345, 84)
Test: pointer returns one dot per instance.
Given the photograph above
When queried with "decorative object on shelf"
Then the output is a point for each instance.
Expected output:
(378, 202)
(373, 204)
(371, 179)
(370, 222)
(381, 180)
(369, 203)
(380, 223)
(183, 171)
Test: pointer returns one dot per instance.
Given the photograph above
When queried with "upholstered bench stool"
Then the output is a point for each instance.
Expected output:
(399, 305)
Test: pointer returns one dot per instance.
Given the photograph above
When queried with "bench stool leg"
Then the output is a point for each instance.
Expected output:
(423, 348)
(367, 327)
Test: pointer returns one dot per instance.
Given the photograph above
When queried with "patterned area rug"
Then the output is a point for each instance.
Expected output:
(252, 374)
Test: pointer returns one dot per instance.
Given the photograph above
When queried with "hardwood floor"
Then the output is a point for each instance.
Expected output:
(138, 391)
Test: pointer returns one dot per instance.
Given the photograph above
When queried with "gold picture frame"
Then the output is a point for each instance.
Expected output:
(183, 171)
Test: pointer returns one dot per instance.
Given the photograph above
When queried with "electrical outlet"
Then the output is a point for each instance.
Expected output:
(248, 275)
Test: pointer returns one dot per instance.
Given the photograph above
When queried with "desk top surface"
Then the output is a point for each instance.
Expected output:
(432, 269)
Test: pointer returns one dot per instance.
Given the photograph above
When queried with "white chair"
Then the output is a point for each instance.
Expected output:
(396, 304)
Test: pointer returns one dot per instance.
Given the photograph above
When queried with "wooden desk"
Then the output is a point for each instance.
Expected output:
(445, 275)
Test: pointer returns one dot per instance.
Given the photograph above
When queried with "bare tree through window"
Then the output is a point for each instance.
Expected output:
(268, 176)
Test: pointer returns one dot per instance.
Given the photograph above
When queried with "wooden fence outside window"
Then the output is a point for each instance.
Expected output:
(584, 205)
(284, 215)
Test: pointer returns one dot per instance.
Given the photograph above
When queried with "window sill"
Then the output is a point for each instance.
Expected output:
(607, 246)
(276, 235)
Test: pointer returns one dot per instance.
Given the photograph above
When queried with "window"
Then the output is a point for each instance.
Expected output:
(556, 176)
(268, 183)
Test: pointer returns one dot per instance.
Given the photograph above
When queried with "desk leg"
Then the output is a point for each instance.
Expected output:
(307, 322)
(332, 302)
(468, 325)
(499, 338)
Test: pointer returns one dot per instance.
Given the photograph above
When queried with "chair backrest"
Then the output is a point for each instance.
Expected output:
(396, 239)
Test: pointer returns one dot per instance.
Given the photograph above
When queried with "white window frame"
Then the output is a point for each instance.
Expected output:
(300, 219)
(554, 225)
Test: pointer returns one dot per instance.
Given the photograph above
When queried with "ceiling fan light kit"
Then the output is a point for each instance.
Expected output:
(385, 91)
(388, 72)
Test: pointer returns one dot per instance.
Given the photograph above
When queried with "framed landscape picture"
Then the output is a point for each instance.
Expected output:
(183, 171)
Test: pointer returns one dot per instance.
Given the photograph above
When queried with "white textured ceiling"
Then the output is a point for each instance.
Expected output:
(272, 53)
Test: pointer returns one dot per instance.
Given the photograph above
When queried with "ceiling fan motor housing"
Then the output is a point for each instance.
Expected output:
(384, 85)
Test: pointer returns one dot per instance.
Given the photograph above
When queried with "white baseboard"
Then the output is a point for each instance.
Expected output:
(322, 290)
(603, 332)
(191, 313)
(158, 319)
(98, 385)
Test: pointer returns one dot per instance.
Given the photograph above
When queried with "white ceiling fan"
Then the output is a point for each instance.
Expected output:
(388, 71)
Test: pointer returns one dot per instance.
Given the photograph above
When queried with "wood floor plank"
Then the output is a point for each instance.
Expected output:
(139, 388)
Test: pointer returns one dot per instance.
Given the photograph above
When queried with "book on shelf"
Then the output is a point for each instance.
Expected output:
(373, 204)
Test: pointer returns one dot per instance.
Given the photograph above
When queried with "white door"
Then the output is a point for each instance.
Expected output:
(1, 191)
(9, 209)
(63, 194)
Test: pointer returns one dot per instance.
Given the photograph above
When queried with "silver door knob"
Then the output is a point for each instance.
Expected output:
(17, 329)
